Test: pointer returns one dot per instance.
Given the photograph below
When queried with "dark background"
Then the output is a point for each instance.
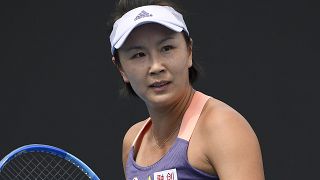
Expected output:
(59, 86)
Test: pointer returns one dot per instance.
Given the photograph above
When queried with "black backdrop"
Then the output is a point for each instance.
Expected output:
(59, 87)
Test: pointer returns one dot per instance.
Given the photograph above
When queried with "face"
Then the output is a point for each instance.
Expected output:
(155, 61)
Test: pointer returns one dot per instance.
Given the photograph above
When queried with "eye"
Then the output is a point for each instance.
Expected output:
(167, 48)
(138, 55)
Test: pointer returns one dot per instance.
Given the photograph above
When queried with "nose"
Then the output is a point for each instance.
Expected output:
(156, 65)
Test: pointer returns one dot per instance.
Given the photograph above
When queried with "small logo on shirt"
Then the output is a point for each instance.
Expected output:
(170, 174)
(135, 178)
(142, 14)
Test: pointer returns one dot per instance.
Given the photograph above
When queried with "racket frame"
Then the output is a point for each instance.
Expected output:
(51, 150)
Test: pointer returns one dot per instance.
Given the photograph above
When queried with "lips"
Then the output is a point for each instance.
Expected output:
(158, 84)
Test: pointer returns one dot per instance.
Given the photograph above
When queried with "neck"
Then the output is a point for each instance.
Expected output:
(166, 121)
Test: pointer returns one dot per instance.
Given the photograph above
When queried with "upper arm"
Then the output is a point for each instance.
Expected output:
(232, 147)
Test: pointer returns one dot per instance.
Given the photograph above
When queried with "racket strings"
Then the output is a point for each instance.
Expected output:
(42, 166)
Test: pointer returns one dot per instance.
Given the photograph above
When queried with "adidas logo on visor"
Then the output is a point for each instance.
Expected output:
(142, 14)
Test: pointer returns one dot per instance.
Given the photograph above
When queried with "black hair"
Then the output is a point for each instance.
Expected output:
(124, 6)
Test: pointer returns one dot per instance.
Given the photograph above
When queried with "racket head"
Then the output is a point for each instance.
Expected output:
(49, 152)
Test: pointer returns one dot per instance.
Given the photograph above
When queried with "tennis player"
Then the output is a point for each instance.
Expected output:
(189, 135)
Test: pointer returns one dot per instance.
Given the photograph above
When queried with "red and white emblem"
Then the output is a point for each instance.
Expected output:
(170, 174)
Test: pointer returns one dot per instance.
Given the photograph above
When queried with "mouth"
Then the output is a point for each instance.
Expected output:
(159, 84)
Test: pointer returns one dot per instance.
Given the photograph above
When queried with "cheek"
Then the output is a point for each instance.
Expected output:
(181, 65)
(132, 73)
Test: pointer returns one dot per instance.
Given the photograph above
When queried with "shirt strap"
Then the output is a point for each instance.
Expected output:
(192, 115)
(148, 120)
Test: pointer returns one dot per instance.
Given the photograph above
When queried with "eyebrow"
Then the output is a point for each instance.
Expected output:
(166, 39)
(169, 37)
(132, 48)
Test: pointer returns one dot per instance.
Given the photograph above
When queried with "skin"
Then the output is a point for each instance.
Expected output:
(222, 143)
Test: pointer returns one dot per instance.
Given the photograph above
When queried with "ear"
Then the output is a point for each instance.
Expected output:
(190, 53)
(122, 73)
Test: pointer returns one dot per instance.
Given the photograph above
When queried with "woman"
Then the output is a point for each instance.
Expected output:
(188, 135)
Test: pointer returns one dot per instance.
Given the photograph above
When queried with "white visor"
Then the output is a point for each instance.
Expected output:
(163, 15)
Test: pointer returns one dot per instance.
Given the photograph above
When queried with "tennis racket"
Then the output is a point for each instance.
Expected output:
(38, 161)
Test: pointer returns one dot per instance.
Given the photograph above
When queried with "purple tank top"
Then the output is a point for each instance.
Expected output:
(174, 164)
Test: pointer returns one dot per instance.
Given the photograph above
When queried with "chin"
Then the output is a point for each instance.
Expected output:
(161, 99)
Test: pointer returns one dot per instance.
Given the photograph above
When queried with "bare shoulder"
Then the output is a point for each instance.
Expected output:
(129, 138)
(219, 115)
(132, 133)
(224, 126)
(232, 146)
